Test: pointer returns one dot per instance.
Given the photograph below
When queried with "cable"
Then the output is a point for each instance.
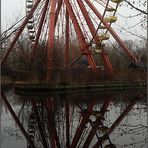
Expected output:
(74, 61)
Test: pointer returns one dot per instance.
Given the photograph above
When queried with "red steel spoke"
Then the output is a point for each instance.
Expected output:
(118, 120)
(18, 33)
(67, 39)
(114, 34)
(51, 123)
(81, 127)
(81, 39)
(13, 114)
(58, 10)
(33, 54)
(98, 120)
(93, 32)
(54, 139)
(50, 37)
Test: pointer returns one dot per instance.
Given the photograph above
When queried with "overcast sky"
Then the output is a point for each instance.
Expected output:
(14, 9)
(10, 9)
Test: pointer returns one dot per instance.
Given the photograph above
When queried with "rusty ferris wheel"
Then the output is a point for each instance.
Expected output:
(87, 21)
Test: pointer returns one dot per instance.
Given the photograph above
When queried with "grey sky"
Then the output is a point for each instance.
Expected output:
(10, 10)
(14, 9)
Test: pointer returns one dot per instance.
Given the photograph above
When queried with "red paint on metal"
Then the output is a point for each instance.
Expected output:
(19, 31)
(88, 19)
(118, 120)
(107, 61)
(93, 32)
(114, 34)
(17, 120)
(98, 120)
(33, 54)
(51, 122)
(81, 127)
(67, 39)
(50, 37)
(75, 8)
(82, 43)
(58, 10)
(54, 139)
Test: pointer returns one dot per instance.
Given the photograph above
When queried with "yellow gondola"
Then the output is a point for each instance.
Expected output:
(30, 27)
(29, 6)
(32, 37)
(97, 51)
(102, 27)
(110, 9)
(116, 1)
(104, 37)
(103, 129)
(111, 19)
(97, 114)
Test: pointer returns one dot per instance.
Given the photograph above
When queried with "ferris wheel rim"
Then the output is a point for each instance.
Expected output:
(107, 5)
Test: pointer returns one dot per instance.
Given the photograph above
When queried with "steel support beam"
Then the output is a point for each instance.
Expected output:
(67, 39)
(35, 45)
(93, 32)
(19, 124)
(113, 33)
(50, 37)
(58, 10)
(51, 123)
(121, 117)
(118, 120)
(54, 139)
(88, 19)
(107, 61)
(82, 43)
(81, 127)
(98, 120)
(18, 33)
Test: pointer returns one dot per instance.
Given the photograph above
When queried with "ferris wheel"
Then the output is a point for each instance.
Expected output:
(66, 22)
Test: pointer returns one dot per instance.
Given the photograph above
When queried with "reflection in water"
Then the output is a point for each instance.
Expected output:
(113, 119)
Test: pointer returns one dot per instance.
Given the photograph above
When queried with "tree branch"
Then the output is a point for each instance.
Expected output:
(135, 7)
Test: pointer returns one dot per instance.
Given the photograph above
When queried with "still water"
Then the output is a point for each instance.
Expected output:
(78, 120)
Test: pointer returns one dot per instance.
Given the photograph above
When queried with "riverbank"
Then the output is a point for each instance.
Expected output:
(56, 87)
(6, 81)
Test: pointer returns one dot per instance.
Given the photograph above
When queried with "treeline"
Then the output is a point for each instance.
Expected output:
(31, 65)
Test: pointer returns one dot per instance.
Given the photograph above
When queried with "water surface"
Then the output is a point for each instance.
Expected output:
(70, 119)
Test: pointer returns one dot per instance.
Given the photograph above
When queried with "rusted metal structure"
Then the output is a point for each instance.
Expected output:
(85, 22)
